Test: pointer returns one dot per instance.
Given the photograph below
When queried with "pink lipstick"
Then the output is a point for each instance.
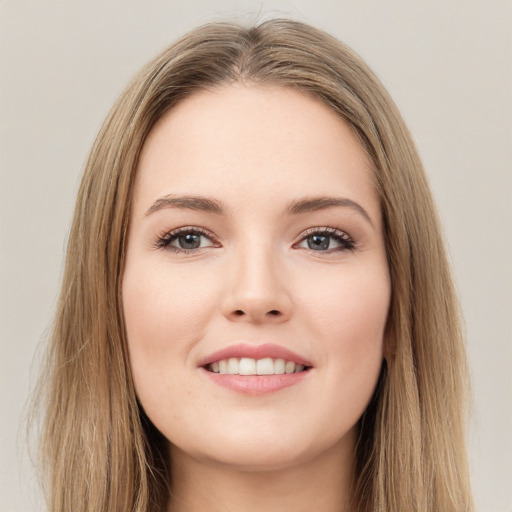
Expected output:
(255, 352)
(255, 369)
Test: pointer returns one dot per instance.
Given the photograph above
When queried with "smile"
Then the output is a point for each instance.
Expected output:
(255, 369)
(250, 366)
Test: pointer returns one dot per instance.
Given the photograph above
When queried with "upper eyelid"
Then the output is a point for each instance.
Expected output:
(190, 229)
(165, 238)
(206, 232)
(324, 229)
(174, 233)
(330, 231)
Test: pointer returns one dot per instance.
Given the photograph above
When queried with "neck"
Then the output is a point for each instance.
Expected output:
(323, 484)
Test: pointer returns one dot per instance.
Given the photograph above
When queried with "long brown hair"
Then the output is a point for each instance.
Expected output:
(99, 452)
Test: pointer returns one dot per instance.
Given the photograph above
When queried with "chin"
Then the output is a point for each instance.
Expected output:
(255, 458)
(261, 450)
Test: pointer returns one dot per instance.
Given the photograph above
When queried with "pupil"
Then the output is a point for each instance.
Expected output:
(316, 242)
(189, 241)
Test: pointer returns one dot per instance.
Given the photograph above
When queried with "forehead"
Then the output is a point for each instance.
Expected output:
(240, 142)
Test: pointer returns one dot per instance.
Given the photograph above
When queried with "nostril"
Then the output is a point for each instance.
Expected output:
(273, 312)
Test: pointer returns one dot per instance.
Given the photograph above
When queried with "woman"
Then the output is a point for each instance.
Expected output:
(256, 311)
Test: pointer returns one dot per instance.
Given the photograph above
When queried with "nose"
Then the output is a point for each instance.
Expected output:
(256, 291)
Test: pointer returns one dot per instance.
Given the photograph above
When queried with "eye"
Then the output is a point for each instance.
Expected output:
(185, 240)
(326, 240)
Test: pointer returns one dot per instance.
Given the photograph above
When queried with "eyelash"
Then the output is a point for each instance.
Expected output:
(345, 241)
(164, 241)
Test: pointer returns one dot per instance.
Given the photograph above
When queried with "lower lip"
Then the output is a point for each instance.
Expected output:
(256, 384)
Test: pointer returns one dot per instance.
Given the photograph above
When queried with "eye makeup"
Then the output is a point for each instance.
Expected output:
(319, 239)
(187, 240)
(186, 236)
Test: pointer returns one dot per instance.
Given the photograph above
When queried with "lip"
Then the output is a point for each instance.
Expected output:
(255, 352)
(255, 384)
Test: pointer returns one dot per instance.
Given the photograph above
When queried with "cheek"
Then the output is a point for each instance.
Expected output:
(165, 314)
(167, 304)
(349, 314)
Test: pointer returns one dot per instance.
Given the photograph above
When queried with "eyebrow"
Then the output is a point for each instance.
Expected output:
(202, 204)
(314, 204)
(295, 207)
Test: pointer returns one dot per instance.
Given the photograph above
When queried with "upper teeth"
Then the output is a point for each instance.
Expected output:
(249, 366)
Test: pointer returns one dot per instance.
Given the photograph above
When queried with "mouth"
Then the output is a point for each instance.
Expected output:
(255, 369)
(251, 366)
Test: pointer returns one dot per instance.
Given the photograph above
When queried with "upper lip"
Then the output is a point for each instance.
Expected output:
(255, 352)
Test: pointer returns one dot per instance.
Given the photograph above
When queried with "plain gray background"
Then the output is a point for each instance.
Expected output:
(446, 63)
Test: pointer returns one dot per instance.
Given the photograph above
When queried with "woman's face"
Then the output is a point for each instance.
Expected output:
(255, 246)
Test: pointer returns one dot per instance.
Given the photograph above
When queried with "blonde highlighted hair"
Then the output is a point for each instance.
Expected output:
(99, 451)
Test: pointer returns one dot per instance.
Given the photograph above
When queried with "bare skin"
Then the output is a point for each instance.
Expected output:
(303, 488)
(256, 222)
